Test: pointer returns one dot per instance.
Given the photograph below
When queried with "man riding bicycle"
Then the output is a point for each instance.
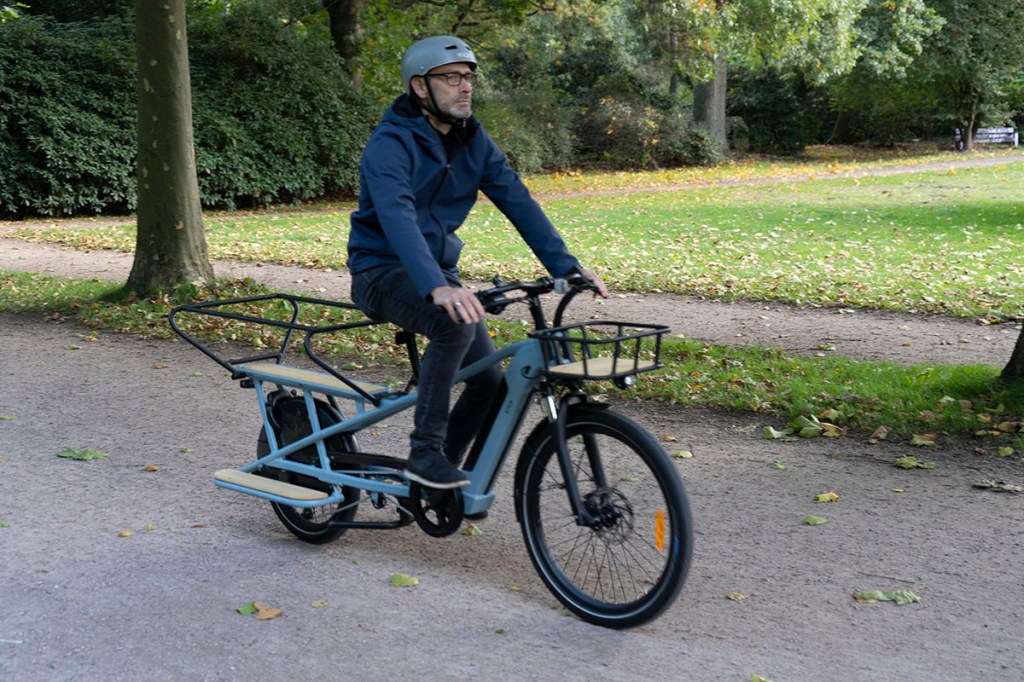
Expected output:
(420, 174)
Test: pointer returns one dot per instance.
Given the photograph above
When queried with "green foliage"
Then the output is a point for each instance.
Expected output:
(66, 117)
(274, 117)
(773, 111)
(275, 120)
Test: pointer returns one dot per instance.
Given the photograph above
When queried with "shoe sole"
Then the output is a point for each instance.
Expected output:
(435, 484)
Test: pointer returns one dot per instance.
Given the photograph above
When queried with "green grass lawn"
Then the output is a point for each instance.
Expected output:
(946, 241)
(926, 242)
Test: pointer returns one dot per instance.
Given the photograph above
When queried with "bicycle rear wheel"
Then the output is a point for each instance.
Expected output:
(627, 565)
(309, 524)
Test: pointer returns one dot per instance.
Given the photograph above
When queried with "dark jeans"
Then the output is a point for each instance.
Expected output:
(387, 293)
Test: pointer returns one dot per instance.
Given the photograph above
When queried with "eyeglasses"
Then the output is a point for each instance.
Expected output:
(454, 78)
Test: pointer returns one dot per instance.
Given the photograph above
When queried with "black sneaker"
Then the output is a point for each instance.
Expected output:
(476, 516)
(433, 470)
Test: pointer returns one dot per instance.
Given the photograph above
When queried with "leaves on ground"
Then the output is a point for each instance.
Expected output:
(911, 462)
(778, 464)
(682, 454)
(736, 596)
(812, 520)
(775, 434)
(812, 427)
(923, 440)
(71, 453)
(403, 580)
(881, 433)
(1000, 486)
(898, 597)
(472, 530)
(262, 611)
(826, 497)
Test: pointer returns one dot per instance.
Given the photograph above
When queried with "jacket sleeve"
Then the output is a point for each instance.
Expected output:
(387, 168)
(503, 186)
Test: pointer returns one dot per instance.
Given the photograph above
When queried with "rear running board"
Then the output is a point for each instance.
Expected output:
(269, 488)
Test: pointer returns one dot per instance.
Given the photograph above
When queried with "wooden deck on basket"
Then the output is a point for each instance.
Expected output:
(600, 367)
(297, 376)
(269, 485)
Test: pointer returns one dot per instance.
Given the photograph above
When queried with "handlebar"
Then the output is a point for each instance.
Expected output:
(496, 299)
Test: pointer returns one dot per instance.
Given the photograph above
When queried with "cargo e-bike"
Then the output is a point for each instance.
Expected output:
(602, 508)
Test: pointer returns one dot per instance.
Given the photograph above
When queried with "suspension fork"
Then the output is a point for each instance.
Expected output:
(559, 417)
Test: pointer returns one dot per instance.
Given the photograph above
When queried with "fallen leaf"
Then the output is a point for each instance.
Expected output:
(881, 433)
(1005, 452)
(754, 677)
(124, 534)
(736, 596)
(682, 454)
(899, 597)
(923, 440)
(403, 580)
(71, 453)
(1009, 427)
(472, 530)
(778, 464)
(911, 462)
(1000, 486)
(668, 439)
(811, 520)
(151, 467)
(266, 612)
(247, 609)
(774, 434)
(319, 604)
(826, 497)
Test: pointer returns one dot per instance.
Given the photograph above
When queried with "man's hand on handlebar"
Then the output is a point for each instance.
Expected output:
(461, 304)
(595, 279)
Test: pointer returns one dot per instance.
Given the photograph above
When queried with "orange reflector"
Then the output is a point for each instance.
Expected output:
(659, 530)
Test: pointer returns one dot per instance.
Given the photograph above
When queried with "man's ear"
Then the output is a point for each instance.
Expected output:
(419, 86)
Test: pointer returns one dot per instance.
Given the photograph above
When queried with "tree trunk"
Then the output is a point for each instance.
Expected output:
(343, 19)
(170, 247)
(1014, 369)
(709, 104)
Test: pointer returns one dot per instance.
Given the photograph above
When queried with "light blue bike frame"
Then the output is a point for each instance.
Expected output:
(523, 375)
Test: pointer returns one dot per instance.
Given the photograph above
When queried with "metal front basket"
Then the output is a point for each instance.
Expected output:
(601, 350)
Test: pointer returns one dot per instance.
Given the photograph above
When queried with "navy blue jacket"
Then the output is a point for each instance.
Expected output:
(414, 194)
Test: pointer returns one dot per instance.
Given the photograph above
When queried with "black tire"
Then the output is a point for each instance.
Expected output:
(310, 524)
(629, 568)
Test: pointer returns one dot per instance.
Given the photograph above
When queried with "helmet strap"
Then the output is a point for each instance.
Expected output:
(430, 104)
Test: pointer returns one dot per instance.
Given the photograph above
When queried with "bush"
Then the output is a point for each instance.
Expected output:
(772, 112)
(532, 128)
(273, 117)
(67, 121)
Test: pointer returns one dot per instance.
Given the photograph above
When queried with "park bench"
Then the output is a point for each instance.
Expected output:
(997, 136)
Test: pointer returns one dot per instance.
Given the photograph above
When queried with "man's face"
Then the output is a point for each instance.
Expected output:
(454, 100)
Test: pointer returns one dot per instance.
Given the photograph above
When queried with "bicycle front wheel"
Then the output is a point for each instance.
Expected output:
(625, 564)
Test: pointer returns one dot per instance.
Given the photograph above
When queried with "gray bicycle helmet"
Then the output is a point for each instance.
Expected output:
(430, 53)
